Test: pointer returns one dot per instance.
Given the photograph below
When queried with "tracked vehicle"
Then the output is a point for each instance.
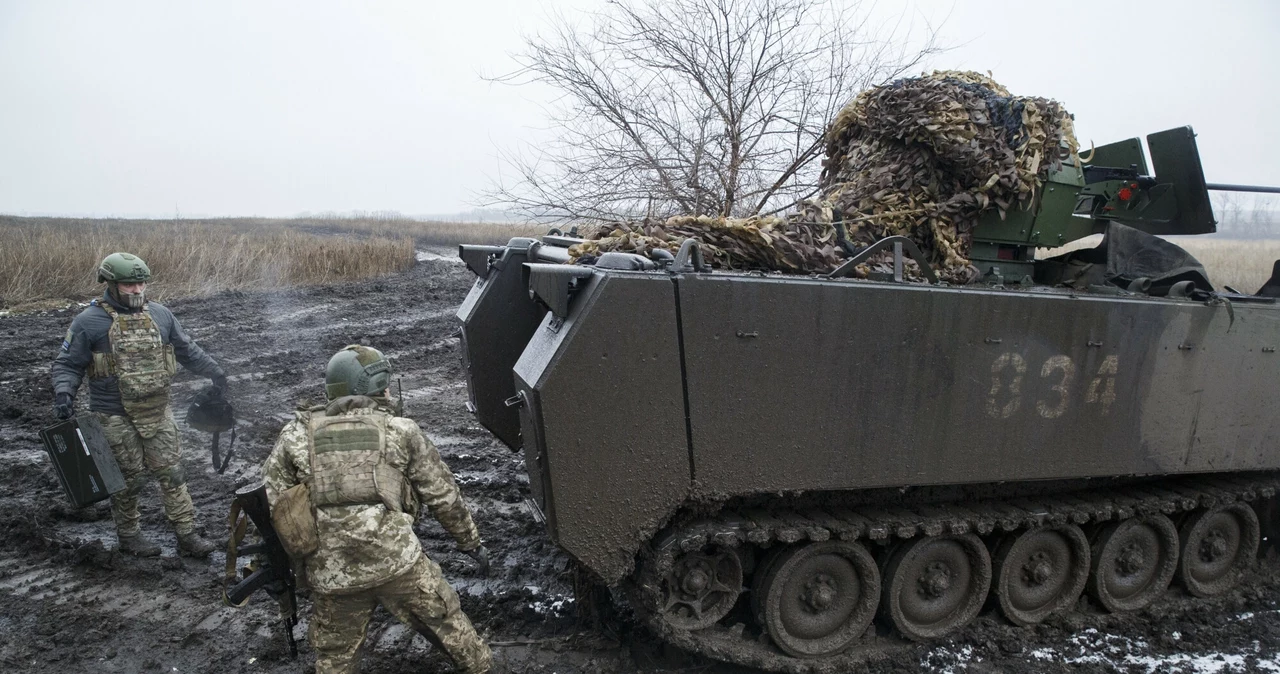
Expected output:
(787, 471)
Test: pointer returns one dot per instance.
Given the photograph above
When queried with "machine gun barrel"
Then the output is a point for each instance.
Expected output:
(1225, 187)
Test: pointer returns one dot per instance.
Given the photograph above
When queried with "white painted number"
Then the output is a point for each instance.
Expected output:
(994, 408)
(1068, 369)
(1005, 399)
(1107, 395)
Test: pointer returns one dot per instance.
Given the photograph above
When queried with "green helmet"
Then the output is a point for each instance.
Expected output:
(356, 371)
(123, 268)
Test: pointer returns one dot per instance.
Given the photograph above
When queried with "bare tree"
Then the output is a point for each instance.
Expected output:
(1230, 211)
(715, 107)
(1262, 219)
(1242, 216)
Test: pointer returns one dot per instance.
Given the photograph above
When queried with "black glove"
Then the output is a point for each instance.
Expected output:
(64, 406)
(220, 385)
(481, 555)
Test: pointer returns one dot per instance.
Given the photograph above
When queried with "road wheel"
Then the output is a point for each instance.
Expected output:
(701, 588)
(937, 584)
(1133, 562)
(1218, 544)
(818, 598)
(1040, 572)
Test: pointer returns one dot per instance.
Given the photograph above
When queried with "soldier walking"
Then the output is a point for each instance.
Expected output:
(368, 472)
(130, 349)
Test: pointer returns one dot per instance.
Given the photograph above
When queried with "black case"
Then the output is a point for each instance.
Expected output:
(82, 458)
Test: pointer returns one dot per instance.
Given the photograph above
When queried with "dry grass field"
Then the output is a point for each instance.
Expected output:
(1243, 264)
(46, 259)
(49, 260)
(424, 232)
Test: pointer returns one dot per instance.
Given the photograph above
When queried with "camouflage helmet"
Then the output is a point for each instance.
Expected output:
(356, 371)
(123, 268)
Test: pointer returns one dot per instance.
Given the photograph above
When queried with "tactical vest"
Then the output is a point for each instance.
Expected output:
(142, 364)
(348, 463)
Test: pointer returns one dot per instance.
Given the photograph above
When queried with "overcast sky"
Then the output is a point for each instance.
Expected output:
(132, 108)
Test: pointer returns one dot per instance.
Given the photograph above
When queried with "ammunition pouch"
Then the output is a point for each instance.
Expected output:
(294, 520)
(394, 490)
(104, 364)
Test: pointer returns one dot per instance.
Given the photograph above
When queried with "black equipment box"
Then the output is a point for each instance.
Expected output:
(82, 458)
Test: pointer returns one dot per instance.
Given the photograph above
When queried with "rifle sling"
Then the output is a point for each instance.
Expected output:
(222, 467)
(237, 526)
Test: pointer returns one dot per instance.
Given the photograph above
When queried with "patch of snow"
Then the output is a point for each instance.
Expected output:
(1118, 652)
(555, 607)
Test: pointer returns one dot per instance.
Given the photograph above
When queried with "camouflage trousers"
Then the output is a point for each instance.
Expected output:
(420, 598)
(160, 456)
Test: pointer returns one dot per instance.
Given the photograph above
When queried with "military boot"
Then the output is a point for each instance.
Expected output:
(137, 545)
(192, 545)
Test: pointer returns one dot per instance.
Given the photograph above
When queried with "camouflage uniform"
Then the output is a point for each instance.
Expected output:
(130, 356)
(368, 554)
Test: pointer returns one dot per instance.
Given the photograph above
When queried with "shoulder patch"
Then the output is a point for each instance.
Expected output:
(66, 341)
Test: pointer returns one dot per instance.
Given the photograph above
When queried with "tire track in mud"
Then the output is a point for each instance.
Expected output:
(69, 604)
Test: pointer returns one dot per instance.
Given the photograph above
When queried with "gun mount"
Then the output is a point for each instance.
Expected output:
(1114, 183)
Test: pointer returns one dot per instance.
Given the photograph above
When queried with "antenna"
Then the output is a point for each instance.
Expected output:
(400, 391)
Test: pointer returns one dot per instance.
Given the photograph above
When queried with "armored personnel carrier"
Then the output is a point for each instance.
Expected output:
(772, 465)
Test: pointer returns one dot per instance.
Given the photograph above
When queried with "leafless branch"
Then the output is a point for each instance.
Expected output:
(702, 107)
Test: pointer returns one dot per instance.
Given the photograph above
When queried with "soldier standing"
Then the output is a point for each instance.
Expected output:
(368, 471)
(130, 349)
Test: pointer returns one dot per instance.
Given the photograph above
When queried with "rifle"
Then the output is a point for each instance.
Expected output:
(270, 569)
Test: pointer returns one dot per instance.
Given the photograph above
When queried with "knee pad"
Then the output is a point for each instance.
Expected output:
(172, 477)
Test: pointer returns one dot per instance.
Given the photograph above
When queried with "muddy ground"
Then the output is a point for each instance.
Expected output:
(68, 603)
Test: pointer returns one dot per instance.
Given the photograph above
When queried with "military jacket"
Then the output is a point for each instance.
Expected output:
(89, 334)
(364, 545)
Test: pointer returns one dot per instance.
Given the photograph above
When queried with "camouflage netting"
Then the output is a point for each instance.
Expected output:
(920, 157)
(771, 244)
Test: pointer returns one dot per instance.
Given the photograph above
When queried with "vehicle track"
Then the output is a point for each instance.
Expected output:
(740, 529)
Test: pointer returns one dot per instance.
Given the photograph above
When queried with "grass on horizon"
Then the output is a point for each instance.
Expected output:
(45, 260)
(1243, 264)
(424, 232)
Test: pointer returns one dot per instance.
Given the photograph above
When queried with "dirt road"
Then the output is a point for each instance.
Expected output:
(68, 603)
